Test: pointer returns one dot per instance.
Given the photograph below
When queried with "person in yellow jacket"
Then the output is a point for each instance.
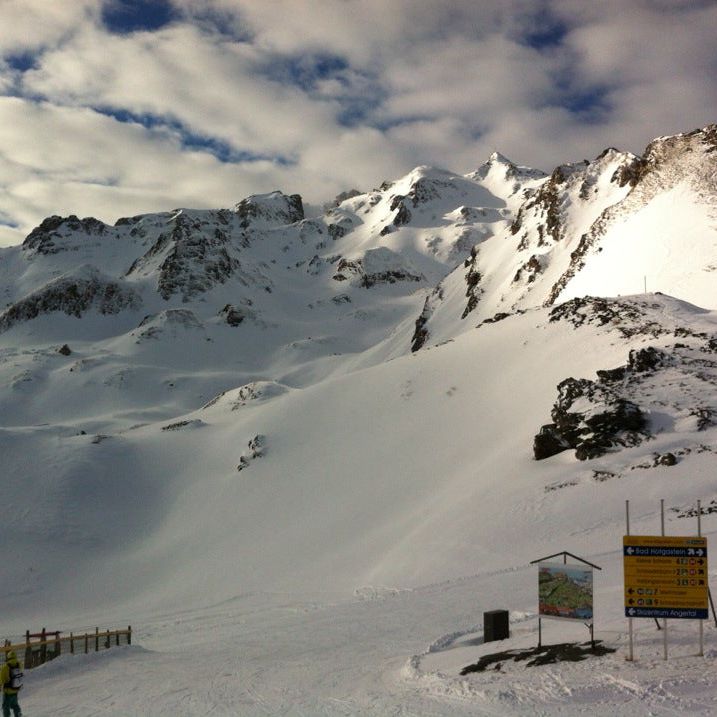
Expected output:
(11, 679)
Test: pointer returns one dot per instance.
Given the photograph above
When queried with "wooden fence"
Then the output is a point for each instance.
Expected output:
(41, 647)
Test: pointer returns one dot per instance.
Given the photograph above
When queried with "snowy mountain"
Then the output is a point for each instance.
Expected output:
(428, 384)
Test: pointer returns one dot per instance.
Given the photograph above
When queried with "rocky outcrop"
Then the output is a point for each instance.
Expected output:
(530, 270)
(190, 258)
(421, 333)
(667, 162)
(48, 237)
(591, 418)
(630, 318)
(273, 209)
(473, 278)
(256, 448)
(236, 315)
(377, 266)
(73, 294)
(172, 323)
(675, 383)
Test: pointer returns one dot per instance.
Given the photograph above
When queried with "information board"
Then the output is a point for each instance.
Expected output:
(665, 576)
(565, 591)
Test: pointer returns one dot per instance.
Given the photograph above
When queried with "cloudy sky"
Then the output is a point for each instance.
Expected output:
(117, 107)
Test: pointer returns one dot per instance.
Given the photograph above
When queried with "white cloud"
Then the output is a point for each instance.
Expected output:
(26, 25)
(213, 88)
(349, 92)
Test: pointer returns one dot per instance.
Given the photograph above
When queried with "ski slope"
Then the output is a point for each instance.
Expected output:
(317, 580)
(214, 428)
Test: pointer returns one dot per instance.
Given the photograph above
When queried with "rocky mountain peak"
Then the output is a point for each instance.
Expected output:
(50, 237)
(272, 209)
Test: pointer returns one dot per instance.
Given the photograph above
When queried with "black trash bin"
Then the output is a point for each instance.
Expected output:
(495, 625)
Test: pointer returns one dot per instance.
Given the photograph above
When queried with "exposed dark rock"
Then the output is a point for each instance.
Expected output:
(706, 417)
(232, 315)
(630, 173)
(612, 374)
(390, 276)
(256, 449)
(497, 317)
(402, 216)
(603, 421)
(421, 333)
(666, 162)
(517, 223)
(197, 259)
(377, 266)
(531, 269)
(73, 294)
(601, 475)
(340, 228)
(647, 359)
(170, 323)
(666, 459)
(473, 278)
(343, 196)
(179, 425)
(627, 317)
(274, 208)
(65, 350)
(128, 221)
(424, 190)
(548, 442)
(46, 238)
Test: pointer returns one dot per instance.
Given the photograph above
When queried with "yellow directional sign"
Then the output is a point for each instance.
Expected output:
(665, 576)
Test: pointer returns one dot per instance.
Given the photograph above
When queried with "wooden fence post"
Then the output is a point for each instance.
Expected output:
(97, 639)
(28, 650)
(129, 634)
(72, 644)
(107, 641)
(87, 643)
(43, 646)
(58, 644)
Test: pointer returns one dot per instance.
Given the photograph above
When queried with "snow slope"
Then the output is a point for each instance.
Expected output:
(240, 454)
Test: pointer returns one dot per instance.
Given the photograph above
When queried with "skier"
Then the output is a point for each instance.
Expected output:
(11, 678)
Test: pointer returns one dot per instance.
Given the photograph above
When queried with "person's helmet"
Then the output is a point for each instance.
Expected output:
(10, 655)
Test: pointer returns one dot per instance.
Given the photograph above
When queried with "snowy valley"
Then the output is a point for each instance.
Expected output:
(303, 452)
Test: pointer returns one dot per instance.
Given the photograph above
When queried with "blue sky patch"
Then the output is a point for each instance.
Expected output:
(22, 61)
(305, 71)
(591, 105)
(546, 36)
(191, 141)
(125, 16)
(216, 21)
(542, 29)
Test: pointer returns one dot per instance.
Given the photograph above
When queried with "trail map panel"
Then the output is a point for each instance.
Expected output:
(565, 591)
(665, 576)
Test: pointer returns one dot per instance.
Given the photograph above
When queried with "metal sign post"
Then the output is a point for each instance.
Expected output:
(629, 619)
(664, 620)
(699, 533)
(665, 577)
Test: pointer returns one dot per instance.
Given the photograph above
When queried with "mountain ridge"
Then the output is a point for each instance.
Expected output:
(284, 402)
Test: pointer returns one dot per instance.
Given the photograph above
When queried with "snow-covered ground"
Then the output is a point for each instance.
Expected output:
(238, 453)
(346, 570)
(385, 652)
